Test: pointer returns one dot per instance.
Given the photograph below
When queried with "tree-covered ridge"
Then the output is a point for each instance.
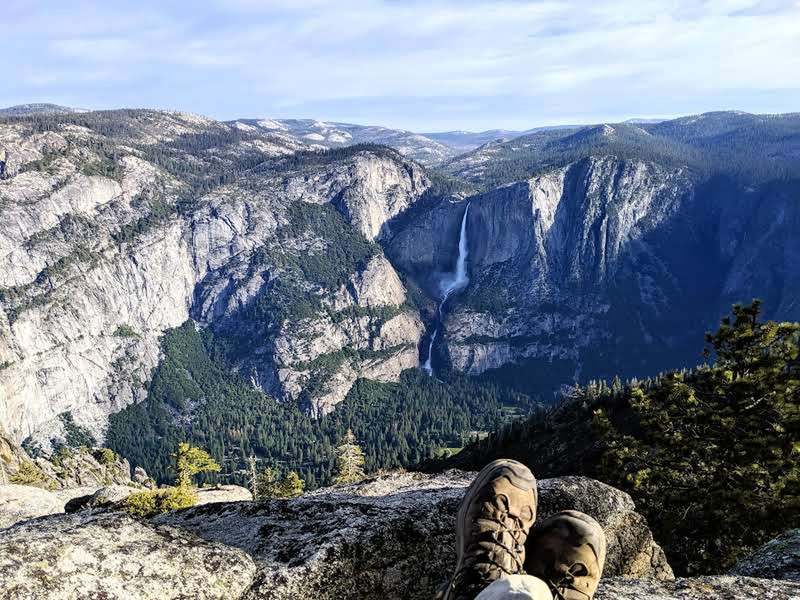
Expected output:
(194, 398)
(748, 148)
(711, 456)
(200, 153)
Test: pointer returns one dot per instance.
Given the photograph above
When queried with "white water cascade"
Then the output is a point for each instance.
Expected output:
(456, 282)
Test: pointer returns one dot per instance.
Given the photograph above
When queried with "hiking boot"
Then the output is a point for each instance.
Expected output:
(567, 551)
(491, 527)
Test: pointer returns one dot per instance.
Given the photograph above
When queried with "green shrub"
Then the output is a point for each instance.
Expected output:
(28, 474)
(105, 456)
(269, 486)
(149, 503)
(290, 486)
(125, 331)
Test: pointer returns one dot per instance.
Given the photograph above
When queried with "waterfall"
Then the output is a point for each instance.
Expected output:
(456, 282)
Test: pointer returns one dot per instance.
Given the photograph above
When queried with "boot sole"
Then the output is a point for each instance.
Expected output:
(519, 474)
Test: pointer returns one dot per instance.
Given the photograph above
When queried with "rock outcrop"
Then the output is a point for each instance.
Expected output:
(632, 552)
(85, 467)
(22, 502)
(777, 559)
(698, 588)
(394, 536)
(116, 557)
(71, 478)
(223, 493)
(389, 537)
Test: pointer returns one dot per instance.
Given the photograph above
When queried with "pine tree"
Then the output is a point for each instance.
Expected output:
(349, 460)
(291, 486)
(267, 484)
(720, 437)
(253, 477)
(190, 460)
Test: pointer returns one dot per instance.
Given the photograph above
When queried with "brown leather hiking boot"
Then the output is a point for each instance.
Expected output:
(567, 551)
(491, 527)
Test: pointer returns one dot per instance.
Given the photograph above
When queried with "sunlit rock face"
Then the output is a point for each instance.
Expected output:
(606, 266)
(103, 249)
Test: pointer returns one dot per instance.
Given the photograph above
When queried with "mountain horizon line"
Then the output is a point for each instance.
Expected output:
(29, 109)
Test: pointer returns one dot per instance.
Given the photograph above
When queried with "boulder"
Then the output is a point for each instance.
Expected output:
(223, 493)
(141, 477)
(66, 495)
(393, 536)
(103, 498)
(777, 559)
(113, 556)
(698, 588)
(632, 552)
(23, 502)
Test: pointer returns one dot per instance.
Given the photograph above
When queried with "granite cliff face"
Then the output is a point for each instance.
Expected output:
(117, 230)
(554, 257)
(605, 266)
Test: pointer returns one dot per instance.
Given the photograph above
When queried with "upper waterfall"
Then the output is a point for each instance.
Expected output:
(459, 279)
(456, 282)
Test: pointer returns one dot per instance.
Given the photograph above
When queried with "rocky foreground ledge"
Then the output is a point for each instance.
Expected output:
(388, 537)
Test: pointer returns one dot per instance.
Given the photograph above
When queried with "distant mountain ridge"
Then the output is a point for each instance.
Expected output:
(38, 108)
(461, 153)
(721, 141)
(325, 135)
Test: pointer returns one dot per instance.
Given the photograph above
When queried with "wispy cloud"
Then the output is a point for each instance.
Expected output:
(408, 63)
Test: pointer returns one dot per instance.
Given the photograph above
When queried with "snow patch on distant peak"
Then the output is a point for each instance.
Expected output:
(315, 137)
(339, 137)
(272, 124)
(244, 126)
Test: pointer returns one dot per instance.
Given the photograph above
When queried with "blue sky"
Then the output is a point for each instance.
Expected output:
(422, 65)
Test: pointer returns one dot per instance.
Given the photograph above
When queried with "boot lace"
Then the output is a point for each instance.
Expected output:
(561, 582)
(476, 578)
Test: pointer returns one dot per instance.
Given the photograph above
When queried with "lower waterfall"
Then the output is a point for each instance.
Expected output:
(456, 282)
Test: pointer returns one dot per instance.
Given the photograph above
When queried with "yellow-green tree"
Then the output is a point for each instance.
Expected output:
(266, 484)
(191, 460)
(290, 486)
(349, 460)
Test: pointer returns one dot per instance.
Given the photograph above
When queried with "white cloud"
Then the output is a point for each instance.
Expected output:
(284, 53)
